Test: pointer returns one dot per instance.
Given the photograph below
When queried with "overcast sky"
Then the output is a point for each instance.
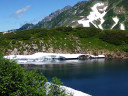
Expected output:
(15, 13)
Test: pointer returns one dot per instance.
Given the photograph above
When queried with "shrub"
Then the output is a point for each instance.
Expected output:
(55, 87)
(16, 81)
(116, 37)
(87, 32)
(125, 49)
(13, 42)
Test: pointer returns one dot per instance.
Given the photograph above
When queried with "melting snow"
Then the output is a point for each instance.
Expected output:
(94, 15)
(122, 27)
(116, 20)
(68, 90)
(75, 11)
(73, 21)
(43, 58)
(74, 92)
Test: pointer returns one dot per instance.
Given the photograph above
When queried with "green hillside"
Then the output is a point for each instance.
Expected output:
(66, 40)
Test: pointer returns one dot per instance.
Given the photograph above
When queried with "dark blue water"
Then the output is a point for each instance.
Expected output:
(95, 77)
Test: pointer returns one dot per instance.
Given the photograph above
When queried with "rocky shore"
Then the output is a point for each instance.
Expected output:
(108, 54)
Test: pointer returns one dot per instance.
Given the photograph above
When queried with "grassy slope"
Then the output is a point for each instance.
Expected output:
(60, 41)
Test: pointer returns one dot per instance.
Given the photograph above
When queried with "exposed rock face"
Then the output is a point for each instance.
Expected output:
(55, 14)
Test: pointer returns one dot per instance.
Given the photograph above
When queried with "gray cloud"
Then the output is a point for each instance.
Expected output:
(19, 13)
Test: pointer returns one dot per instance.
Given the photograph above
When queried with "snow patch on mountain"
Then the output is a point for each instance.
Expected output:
(116, 20)
(97, 13)
(122, 26)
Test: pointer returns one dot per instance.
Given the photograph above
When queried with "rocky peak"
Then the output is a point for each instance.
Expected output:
(66, 8)
(54, 14)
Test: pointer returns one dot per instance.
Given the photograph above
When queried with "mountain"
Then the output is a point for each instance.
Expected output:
(26, 26)
(103, 14)
(55, 14)
(46, 19)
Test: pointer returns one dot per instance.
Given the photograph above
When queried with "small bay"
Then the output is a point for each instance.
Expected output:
(98, 77)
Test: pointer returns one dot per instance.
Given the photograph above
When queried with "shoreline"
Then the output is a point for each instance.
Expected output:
(74, 92)
(68, 90)
(107, 53)
(41, 57)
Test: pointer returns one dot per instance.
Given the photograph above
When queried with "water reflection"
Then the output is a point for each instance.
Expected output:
(98, 77)
(70, 68)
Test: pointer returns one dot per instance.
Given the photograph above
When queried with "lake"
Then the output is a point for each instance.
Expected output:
(98, 77)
